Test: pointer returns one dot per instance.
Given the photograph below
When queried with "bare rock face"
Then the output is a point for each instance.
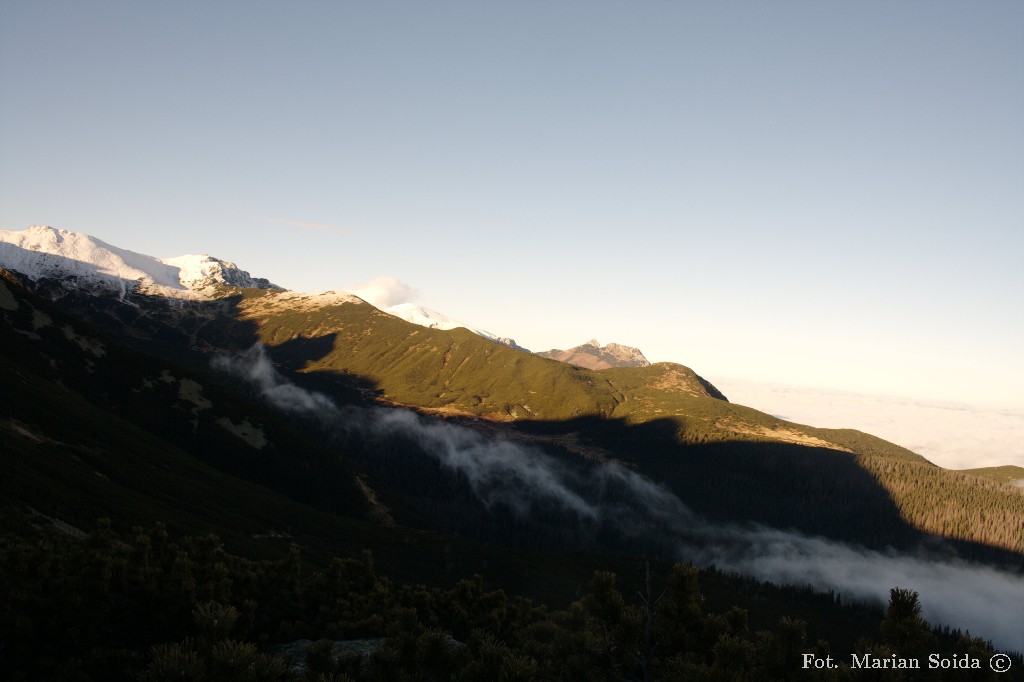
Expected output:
(511, 343)
(593, 355)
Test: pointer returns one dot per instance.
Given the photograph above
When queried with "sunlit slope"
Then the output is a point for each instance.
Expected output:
(455, 371)
(460, 373)
(1012, 475)
(951, 503)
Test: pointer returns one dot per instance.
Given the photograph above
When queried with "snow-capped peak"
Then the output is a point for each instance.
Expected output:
(44, 252)
(80, 261)
(199, 272)
(425, 317)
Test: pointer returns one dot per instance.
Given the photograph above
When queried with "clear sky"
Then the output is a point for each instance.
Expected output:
(828, 194)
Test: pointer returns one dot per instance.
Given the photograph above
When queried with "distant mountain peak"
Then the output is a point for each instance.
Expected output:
(593, 355)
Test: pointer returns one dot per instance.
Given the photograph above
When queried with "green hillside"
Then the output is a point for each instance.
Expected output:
(724, 460)
(203, 517)
(454, 371)
(1003, 474)
(883, 493)
(457, 372)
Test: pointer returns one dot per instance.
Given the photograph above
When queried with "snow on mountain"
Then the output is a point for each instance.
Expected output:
(43, 252)
(79, 260)
(199, 272)
(425, 317)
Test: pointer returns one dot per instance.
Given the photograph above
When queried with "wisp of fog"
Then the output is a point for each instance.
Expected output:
(985, 600)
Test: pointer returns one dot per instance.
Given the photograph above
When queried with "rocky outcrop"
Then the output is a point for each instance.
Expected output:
(593, 355)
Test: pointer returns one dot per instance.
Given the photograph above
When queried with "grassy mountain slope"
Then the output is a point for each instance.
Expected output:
(726, 460)
(885, 487)
(455, 370)
(74, 449)
(1004, 474)
(458, 372)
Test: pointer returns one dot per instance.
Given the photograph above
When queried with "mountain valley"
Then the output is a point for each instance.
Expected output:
(186, 392)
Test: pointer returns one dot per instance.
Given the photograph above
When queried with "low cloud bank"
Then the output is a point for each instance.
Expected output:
(607, 495)
(963, 594)
(952, 435)
(498, 471)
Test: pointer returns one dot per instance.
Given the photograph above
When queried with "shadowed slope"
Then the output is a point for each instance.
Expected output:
(355, 353)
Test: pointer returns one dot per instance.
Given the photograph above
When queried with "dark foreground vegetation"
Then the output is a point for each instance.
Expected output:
(92, 428)
(144, 606)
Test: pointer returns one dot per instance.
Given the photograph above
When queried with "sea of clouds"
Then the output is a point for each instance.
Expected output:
(952, 435)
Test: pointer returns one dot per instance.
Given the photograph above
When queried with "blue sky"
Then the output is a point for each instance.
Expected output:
(827, 194)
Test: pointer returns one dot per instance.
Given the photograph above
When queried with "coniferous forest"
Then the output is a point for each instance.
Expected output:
(147, 606)
(184, 500)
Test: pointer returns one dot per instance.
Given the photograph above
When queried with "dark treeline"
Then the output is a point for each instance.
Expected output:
(816, 491)
(144, 606)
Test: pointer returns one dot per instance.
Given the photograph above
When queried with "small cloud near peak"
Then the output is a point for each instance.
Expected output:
(384, 292)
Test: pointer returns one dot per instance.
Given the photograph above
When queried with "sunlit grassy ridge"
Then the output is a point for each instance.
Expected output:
(454, 370)
(458, 372)
(462, 373)
(1003, 474)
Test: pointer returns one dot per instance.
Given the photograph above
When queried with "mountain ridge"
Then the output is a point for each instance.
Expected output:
(45, 252)
(340, 345)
